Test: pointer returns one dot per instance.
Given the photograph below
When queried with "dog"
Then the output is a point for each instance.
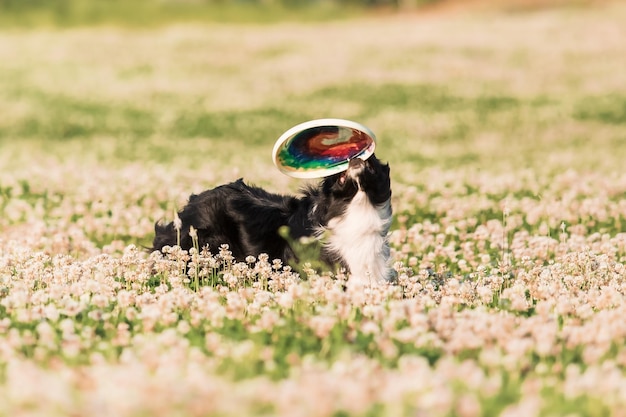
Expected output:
(349, 212)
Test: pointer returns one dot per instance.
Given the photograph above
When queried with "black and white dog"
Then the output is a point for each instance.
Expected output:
(351, 211)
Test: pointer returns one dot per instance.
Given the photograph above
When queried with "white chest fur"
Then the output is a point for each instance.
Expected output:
(360, 236)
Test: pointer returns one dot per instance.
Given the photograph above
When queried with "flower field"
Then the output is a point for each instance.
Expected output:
(505, 134)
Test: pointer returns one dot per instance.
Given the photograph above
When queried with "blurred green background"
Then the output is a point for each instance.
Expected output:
(31, 13)
(155, 12)
(486, 84)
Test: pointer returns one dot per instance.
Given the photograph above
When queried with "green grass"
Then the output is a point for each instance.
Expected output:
(529, 123)
(150, 13)
(609, 109)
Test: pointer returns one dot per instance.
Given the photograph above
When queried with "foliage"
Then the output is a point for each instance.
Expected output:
(149, 13)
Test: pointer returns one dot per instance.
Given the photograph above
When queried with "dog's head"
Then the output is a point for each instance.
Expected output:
(369, 176)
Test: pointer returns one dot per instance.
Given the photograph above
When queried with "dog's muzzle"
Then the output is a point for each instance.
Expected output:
(355, 166)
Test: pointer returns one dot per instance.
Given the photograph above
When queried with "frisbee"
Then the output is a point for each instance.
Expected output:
(323, 147)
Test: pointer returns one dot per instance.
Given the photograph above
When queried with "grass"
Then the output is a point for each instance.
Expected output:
(150, 14)
(505, 136)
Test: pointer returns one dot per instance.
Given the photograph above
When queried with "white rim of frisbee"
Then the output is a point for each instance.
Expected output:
(321, 172)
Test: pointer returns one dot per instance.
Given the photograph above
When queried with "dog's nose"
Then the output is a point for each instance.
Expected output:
(356, 163)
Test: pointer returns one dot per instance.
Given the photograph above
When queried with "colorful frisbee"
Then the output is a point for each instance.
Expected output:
(323, 147)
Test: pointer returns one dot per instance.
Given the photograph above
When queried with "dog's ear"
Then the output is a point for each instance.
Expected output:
(377, 164)
(377, 182)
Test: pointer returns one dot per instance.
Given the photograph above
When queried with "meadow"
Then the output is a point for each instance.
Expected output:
(506, 136)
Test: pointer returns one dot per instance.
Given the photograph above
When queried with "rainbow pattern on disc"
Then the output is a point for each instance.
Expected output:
(323, 147)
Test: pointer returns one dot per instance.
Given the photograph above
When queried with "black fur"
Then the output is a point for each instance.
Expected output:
(247, 218)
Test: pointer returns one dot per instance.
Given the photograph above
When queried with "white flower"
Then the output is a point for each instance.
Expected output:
(178, 223)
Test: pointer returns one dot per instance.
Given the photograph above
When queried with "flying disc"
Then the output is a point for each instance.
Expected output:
(323, 147)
